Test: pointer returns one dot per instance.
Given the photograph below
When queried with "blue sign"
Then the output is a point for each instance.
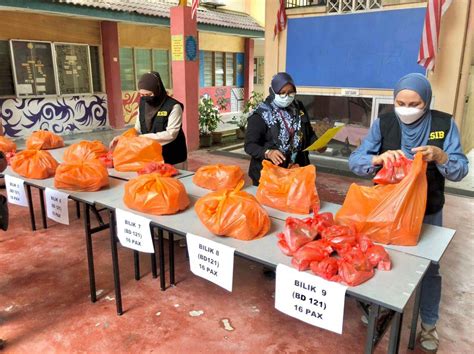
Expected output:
(191, 48)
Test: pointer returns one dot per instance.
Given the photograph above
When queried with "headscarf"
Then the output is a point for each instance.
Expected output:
(282, 121)
(417, 133)
(149, 107)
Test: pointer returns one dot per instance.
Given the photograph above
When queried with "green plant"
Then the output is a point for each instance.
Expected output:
(209, 116)
(241, 121)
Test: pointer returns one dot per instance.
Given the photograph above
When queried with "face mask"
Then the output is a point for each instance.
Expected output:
(283, 102)
(150, 99)
(409, 115)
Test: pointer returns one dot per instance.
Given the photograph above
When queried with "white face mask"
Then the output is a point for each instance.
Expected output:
(283, 102)
(409, 115)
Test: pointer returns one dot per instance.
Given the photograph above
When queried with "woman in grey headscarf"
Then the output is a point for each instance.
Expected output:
(414, 127)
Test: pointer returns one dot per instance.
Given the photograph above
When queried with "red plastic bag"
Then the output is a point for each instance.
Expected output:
(389, 214)
(296, 233)
(81, 176)
(6, 145)
(216, 177)
(393, 172)
(233, 213)
(107, 160)
(326, 268)
(44, 140)
(357, 258)
(314, 251)
(290, 190)
(163, 169)
(134, 153)
(9, 156)
(85, 150)
(153, 194)
(350, 275)
(378, 257)
(339, 236)
(34, 164)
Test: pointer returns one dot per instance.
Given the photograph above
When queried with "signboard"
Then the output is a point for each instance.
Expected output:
(133, 231)
(191, 48)
(57, 206)
(73, 68)
(350, 92)
(15, 191)
(211, 260)
(310, 298)
(177, 47)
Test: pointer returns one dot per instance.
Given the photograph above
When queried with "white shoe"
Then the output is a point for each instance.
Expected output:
(429, 339)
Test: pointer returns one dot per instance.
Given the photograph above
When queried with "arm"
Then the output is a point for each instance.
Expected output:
(3, 162)
(456, 167)
(137, 123)
(255, 144)
(172, 129)
(360, 161)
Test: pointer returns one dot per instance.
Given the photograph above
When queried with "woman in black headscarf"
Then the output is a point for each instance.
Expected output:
(279, 129)
(160, 118)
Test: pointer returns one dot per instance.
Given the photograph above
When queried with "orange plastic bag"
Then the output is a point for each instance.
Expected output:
(44, 140)
(130, 133)
(85, 150)
(34, 164)
(389, 214)
(152, 194)
(6, 145)
(215, 177)
(133, 153)
(82, 176)
(233, 213)
(290, 190)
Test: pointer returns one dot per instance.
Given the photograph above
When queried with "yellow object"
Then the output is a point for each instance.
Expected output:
(324, 139)
(177, 47)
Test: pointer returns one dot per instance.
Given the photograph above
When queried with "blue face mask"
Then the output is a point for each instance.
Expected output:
(283, 102)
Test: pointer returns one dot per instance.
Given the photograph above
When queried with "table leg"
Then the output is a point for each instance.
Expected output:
(373, 313)
(136, 264)
(394, 342)
(171, 256)
(78, 209)
(162, 259)
(154, 271)
(30, 207)
(43, 211)
(414, 320)
(115, 264)
(90, 255)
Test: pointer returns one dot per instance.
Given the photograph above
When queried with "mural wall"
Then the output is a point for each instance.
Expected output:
(130, 103)
(61, 115)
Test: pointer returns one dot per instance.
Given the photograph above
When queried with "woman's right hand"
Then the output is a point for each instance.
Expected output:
(275, 156)
(113, 143)
(390, 155)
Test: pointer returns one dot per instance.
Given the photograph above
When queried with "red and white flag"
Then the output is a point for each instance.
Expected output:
(280, 24)
(194, 8)
(429, 42)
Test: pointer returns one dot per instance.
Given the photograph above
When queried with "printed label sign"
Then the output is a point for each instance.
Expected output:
(57, 207)
(15, 190)
(211, 260)
(133, 231)
(177, 47)
(310, 298)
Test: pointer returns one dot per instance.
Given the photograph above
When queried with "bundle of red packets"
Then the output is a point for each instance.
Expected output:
(312, 242)
(163, 169)
(107, 160)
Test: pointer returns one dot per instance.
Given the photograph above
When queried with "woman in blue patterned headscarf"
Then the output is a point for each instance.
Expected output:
(279, 129)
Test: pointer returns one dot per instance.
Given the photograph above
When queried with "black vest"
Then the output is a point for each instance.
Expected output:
(175, 151)
(391, 140)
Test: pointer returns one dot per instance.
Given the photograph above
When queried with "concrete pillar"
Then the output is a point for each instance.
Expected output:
(248, 68)
(113, 85)
(185, 69)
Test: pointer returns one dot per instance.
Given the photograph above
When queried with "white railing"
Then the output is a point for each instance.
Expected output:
(344, 6)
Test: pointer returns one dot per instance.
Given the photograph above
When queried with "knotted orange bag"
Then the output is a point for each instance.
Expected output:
(290, 190)
(34, 164)
(133, 153)
(215, 177)
(389, 214)
(153, 194)
(130, 133)
(85, 150)
(44, 140)
(6, 145)
(233, 213)
(81, 176)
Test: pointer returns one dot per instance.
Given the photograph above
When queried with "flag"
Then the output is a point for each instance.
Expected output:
(280, 24)
(194, 8)
(429, 41)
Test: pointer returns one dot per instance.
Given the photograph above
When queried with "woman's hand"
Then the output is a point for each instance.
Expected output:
(432, 153)
(113, 143)
(390, 155)
(275, 156)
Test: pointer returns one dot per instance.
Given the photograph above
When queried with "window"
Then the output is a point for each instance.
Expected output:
(218, 69)
(95, 68)
(161, 64)
(142, 62)
(258, 70)
(127, 69)
(73, 65)
(6, 77)
(208, 70)
(229, 69)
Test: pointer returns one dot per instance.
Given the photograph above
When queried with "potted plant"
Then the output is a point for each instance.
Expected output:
(241, 121)
(209, 117)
